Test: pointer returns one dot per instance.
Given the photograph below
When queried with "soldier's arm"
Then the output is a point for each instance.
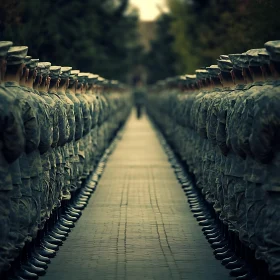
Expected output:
(265, 131)
(79, 124)
(55, 128)
(13, 135)
(221, 126)
(64, 130)
(46, 133)
(87, 119)
(31, 127)
(71, 121)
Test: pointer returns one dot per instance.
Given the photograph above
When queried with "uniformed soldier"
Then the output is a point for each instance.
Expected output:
(71, 92)
(12, 146)
(68, 147)
(26, 217)
(264, 143)
(64, 133)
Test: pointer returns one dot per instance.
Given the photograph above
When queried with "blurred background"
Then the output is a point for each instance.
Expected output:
(132, 40)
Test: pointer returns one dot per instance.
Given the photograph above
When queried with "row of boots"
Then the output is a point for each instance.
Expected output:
(227, 247)
(35, 257)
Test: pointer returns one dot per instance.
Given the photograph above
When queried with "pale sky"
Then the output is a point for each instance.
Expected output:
(148, 8)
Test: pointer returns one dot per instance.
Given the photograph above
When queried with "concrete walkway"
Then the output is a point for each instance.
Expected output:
(138, 224)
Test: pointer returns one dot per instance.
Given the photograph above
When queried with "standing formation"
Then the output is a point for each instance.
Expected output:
(56, 123)
(224, 122)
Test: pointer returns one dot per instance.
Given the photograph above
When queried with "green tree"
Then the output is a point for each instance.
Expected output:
(204, 29)
(90, 35)
(160, 60)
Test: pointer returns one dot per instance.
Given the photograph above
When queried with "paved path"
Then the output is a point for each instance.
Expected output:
(138, 224)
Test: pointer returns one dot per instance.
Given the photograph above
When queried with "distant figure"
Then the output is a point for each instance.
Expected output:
(139, 98)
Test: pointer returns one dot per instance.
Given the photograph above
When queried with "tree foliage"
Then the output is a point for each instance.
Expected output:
(160, 60)
(204, 29)
(90, 35)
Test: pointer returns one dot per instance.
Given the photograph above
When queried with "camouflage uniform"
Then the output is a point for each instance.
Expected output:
(48, 159)
(79, 126)
(21, 170)
(64, 132)
(86, 129)
(12, 146)
(68, 148)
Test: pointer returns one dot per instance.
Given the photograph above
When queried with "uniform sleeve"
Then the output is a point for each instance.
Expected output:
(245, 128)
(13, 135)
(202, 116)
(63, 125)
(31, 127)
(78, 123)
(55, 127)
(71, 121)
(265, 132)
(46, 130)
(86, 118)
(235, 123)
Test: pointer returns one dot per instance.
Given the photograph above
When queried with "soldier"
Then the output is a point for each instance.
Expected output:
(71, 92)
(64, 133)
(68, 147)
(92, 98)
(21, 169)
(264, 143)
(12, 146)
(39, 185)
(85, 106)
(48, 159)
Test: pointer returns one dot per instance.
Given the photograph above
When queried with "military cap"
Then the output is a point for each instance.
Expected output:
(242, 60)
(224, 57)
(264, 56)
(16, 55)
(82, 77)
(43, 68)
(253, 57)
(4, 47)
(191, 77)
(273, 48)
(55, 72)
(65, 72)
(100, 80)
(32, 64)
(202, 74)
(74, 75)
(213, 70)
(27, 59)
(92, 78)
(224, 64)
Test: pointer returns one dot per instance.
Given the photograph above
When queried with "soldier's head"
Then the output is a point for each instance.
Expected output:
(255, 63)
(4, 47)
(225, 66)
(214, 72)
(236, 72)
(190, 82)
(25, 71)
(244, 65)
(92, 78)
(32, 72)
(55, 77)
(42, 81)
(73, 81)
(100, 85)
(82, 82)
(265, 62)
(64, 78)
(273, 49)
(15, 63)
(202, 78)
